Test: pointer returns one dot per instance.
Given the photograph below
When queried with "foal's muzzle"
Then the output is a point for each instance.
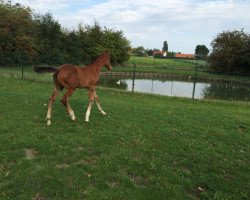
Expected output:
(109, 68)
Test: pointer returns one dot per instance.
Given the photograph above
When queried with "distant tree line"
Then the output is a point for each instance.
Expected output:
(201, 52)
(29, 38)
(142, 52)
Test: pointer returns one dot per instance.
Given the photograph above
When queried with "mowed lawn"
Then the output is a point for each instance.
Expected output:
(147, 147)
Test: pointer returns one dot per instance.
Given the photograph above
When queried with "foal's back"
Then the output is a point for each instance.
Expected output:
(72, 76)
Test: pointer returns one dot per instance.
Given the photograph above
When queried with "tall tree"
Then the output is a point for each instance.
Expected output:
(139, 51)
(150, 52)
(231, 53)
(49, 38)
(165, 46)
(108, 40)
(29, 38)
(201, 52)
(16, 34)
(73, 50)
(117, 44)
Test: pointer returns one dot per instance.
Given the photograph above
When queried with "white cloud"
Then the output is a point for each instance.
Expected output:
(184, 24)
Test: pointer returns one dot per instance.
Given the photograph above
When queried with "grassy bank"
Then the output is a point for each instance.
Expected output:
(171, 63)
(156, 65)
(173, 66)
(148, 147)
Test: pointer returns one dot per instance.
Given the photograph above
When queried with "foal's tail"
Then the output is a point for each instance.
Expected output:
(57, 84)
(47, 69)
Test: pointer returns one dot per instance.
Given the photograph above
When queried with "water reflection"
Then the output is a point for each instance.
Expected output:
(114, 83)
(227, 92)
(196, 90)
(169, 88)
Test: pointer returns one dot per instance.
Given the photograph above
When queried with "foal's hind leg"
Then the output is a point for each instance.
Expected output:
(50, 104)
(65, 102)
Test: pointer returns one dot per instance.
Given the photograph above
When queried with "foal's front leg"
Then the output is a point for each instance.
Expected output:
(93, 96)
(88, 111)
(98, 104)
(91, 101)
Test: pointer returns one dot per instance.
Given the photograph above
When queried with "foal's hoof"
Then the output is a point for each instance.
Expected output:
(73, 118)
(48, 122)
(103, 113)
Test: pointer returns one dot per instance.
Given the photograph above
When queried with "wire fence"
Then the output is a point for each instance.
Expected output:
(136, 67)
(133, 66)
(215, 90)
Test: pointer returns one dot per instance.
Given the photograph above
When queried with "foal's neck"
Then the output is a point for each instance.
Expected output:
(97, 64)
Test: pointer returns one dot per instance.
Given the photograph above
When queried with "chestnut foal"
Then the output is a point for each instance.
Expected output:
(71, 77)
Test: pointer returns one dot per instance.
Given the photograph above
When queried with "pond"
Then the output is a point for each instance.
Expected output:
(185, 88)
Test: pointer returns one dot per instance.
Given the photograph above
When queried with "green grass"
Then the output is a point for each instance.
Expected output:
(168, 63)
(28, 74)
(173, 66)
(148, 147)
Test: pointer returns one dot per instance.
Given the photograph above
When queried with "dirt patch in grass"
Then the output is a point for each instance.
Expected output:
(242, 129)
(88, 161)
(39, 197)
(137, 156)
(113, 184)
(62, 166)
(139, 180)
(197, 191)
(30, 154)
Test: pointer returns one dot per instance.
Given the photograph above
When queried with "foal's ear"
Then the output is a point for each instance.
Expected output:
(107, 52)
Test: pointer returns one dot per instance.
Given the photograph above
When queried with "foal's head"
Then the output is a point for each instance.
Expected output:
(108, 61)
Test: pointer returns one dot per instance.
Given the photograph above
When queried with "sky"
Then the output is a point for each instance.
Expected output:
(184, 24)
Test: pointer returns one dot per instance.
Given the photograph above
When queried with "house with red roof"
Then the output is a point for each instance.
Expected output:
(163, 53)
(182, 55)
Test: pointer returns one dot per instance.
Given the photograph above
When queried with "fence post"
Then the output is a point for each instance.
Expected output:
(196, 68)
(22, 70)
(133, 83)
(195, 78)
(194, 89)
